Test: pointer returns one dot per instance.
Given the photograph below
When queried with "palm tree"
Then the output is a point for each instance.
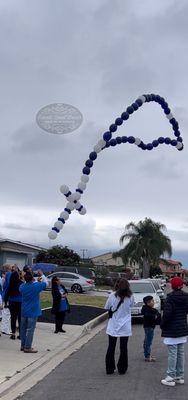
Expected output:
(147, 243)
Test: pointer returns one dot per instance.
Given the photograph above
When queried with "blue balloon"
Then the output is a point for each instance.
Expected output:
(179, 139)
(124, 139)
(62, 220)
(143, 146)
(131, 139)
(113, 142)
(174, 142)
(113, 128)
(125, 115)
(139, 102)
(149, 146)
(130, 109)
(86, 170)
(118, 139)
(118, 121)
(155, 143)
(107, 144)
(167, 110)
(107, 136)
(67, 209)
(93, 155)
(55, 229)
(135, 106)
(89, 163)
(161, 139)
(167, 140)
(79, 191)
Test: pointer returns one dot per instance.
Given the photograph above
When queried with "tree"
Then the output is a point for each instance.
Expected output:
(147, 243)
(58, 255)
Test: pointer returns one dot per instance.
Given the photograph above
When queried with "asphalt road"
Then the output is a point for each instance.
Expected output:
(82, 375)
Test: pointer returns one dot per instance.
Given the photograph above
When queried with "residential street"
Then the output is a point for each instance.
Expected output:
(82, 375)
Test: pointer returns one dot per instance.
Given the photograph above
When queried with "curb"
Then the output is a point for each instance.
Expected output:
(33, 373)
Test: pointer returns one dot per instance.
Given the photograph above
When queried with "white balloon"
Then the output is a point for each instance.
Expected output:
(137, 141)
(71, 198)
(97, 148)
(77, 196)
(169, 116)
(64, 189)
(101, 143)
(64, 215)
(77, 205)
(179, 145)
(58, 225)
(82, 211)
(85, 178)
(81, 185)
(52, 235)
(142, 98)
(70, 206)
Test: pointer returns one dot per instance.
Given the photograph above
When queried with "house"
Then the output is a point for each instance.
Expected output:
(13, 252)
(171, 268)
(107, 260)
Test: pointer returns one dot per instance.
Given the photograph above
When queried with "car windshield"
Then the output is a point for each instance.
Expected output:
(141, 287)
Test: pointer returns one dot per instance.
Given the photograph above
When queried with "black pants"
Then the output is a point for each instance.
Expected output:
(15, 314)
(122, 364)
(59, 320)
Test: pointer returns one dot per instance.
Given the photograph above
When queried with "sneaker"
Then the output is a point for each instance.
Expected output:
(150, 359)
(180, 381)
(13, 336)
(62, 331)
(168, 381)
(30, 350)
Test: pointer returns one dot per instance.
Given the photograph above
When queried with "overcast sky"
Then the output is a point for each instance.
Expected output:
(98, 56)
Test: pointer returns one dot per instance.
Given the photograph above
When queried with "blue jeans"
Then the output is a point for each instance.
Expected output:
(176, 360)
(149, 333)
(27, 331)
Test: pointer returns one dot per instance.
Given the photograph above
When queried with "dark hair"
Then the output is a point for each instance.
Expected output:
(147, 298)
(123, 288)
(14, 283)
(28, 277)
(26, 268)
(54, 281)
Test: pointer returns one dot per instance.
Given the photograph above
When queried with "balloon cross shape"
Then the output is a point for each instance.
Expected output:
(107, 141)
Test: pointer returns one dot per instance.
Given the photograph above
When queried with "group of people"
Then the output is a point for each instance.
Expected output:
(173, 324)
(20, 294)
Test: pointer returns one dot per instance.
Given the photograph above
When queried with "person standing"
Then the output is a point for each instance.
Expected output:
(30, 310)
(60, 304)
(14, 298)
(151, 317)
(119, 306)
(175, 331)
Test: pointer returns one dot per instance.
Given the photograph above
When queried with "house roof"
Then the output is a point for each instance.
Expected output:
(173, 262)
(21, 244)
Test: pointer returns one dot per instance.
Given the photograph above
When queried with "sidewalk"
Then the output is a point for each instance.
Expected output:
(13, 361)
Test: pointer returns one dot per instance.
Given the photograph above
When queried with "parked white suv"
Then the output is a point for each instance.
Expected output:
(140, 289)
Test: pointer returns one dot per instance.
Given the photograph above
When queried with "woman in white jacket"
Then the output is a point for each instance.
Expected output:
(119, 305)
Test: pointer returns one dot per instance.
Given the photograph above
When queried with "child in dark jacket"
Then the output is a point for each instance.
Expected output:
(151, 318)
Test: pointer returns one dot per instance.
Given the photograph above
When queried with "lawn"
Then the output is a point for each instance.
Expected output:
(74, 298)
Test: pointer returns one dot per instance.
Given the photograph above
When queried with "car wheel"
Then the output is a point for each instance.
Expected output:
(76, 288)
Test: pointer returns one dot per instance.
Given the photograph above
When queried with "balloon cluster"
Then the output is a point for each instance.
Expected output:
(108, 141)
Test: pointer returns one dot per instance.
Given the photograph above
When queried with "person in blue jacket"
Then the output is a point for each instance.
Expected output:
(30, 310)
